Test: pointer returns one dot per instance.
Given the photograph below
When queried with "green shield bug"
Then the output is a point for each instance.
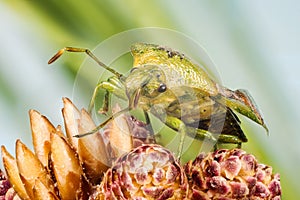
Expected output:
(177, 91)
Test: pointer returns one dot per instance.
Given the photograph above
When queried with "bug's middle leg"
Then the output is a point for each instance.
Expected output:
(150, 128)
(177, 125)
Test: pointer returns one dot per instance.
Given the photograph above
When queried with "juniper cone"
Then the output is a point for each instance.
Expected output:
(231, 174)
(147, 172)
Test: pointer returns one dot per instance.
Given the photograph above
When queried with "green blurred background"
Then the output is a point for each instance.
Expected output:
(254, 44)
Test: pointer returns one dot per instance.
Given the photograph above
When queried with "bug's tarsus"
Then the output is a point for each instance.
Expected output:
(89, 53)
(216, 147)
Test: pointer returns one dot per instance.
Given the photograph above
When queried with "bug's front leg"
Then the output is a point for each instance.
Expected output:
(112, 86)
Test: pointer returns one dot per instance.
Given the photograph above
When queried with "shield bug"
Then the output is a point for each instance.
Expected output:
(177, 91)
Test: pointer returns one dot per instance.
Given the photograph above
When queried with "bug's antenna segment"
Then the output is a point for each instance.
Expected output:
(56, 56)
(89, 53)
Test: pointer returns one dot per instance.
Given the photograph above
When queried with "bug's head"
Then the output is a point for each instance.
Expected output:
(147, 81)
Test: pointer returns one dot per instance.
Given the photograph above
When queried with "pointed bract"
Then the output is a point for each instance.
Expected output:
(41, 129)
(118, 135)
(26, 158)
(40, 191)
(66, 167)
(94, 159)
(12, 172)
(71, 119)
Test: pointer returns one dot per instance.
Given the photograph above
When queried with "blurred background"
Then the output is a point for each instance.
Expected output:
(254, 44)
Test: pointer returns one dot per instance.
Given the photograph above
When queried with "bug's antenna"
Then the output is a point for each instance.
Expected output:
(89, 53)
(103, 123)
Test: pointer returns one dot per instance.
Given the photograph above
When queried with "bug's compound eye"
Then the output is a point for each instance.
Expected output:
(162, 88)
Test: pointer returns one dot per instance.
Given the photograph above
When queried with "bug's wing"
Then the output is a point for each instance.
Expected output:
(232, 125)
(241, 101)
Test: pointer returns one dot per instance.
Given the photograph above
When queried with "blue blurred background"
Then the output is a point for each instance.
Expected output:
(254, 44)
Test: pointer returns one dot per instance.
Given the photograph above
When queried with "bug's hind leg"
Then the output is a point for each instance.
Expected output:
(200, 134)
(230, 139)
(217, 139)
(238, 145)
